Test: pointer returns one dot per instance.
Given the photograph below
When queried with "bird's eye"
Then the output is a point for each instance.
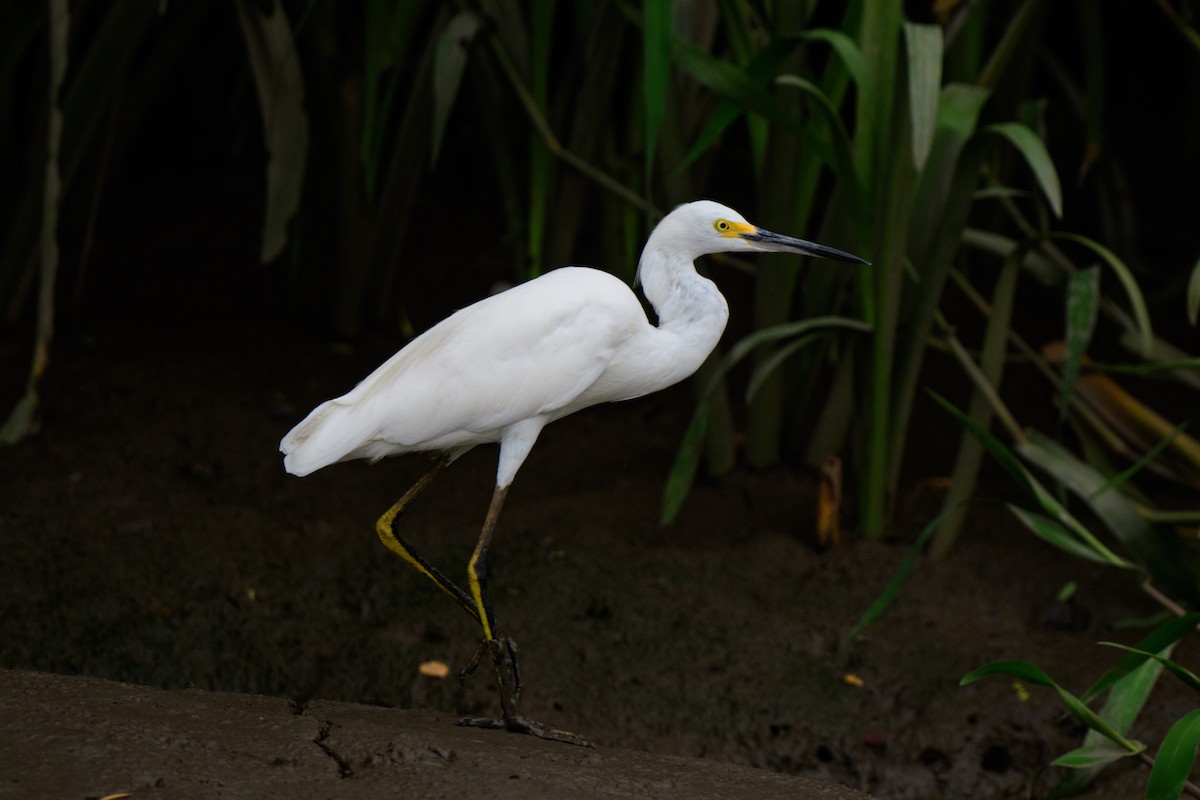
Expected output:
(722, 225)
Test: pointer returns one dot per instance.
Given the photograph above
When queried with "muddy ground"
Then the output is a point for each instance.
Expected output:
(150, 535)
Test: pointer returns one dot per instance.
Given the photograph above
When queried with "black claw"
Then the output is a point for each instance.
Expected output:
(508, 675)
(519, 724)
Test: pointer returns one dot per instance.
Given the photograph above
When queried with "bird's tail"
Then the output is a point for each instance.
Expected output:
(327, 435)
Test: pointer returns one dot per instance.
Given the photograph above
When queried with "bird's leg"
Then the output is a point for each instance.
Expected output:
(386, 527)
(502, 649)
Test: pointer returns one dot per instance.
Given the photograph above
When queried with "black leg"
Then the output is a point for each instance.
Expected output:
(386, 527)
(501, 649)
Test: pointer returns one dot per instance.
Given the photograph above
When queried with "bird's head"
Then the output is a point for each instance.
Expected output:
(704, 227)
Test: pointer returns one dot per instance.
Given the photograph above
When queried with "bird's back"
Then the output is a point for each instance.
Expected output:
(528, 352)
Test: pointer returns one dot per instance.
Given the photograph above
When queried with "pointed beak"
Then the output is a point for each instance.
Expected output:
(778, 243)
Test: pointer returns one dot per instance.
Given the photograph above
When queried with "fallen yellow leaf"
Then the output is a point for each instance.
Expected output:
(434, 669)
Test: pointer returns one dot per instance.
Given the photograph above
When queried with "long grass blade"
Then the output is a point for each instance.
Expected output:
(656, 73)
(841, 141)
(1121, 709)
(1175, 758)
(1027, 672)
(1178, 670)
(984, 401)
(1157, 641)
(1003, 455)
(923, 50)
(760, 69)
(1118, 480)
(280, 85)
(541, 31)
(1174, 567)
(1091, 757)
(22, 421)
(1137, 303)
(1031, 486)
(733, 84)
(1193, 295)
(888, 596)
(389, 31)
(1053, 533)
(449, 63)
(846, 49)
(1034, 151)
(1083, 304)
(687, 458)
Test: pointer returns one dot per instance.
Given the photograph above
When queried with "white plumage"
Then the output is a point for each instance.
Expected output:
(528, 353)
(503, 368)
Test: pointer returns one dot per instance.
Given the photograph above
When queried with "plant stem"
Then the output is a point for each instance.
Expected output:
(1160, 598)
(1188, 787)
(552, 142)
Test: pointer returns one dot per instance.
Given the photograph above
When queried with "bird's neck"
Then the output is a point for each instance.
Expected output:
(689, 306)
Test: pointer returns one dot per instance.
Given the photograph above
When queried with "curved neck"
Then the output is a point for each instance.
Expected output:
(690, 308)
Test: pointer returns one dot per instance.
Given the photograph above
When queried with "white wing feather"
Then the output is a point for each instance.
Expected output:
(528, 352)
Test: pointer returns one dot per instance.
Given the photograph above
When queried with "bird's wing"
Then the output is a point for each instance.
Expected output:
(527, 352)
(523, 353)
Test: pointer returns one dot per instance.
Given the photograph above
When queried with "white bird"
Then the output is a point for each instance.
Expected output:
(501, 369)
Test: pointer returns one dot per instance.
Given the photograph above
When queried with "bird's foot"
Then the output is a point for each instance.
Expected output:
(519, 724)
(503, 652)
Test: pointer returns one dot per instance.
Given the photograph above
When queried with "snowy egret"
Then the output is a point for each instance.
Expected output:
(501, 369)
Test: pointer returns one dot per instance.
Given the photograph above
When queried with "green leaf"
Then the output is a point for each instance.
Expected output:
(1091, 756)
(845, 48)
(1121, 709)
(1027, 672)
(656, 73)
(449, 63)
(1017, 669)
(1193, 295)
(1137, 303)
(1030, 484)
(923, 47)
(733, 84)
(275, 63)
(1046, 271)
(1083, 303)
(687, 461)
(897, 582)
(1004, 456)
(1156, 641)
(1124, 475)
(787, 330)
(760, 69)
(1175, 758)
(1033, 150)
(843, 152)
(772, 362)
(1170, 565)
(1178, 670)
(1053, 533)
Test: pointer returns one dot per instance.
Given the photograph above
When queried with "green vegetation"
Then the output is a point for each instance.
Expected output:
(933, 147)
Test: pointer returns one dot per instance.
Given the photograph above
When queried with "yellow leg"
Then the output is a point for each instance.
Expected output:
(386, 526)
(503, 651)
(477, 567)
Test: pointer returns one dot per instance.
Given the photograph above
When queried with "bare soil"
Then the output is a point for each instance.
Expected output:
(150, 536)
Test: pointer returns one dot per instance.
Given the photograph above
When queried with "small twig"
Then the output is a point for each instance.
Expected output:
(552, 141)
(1166, 602)
(1186, 30)
(1188, 787)
(985, 388)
